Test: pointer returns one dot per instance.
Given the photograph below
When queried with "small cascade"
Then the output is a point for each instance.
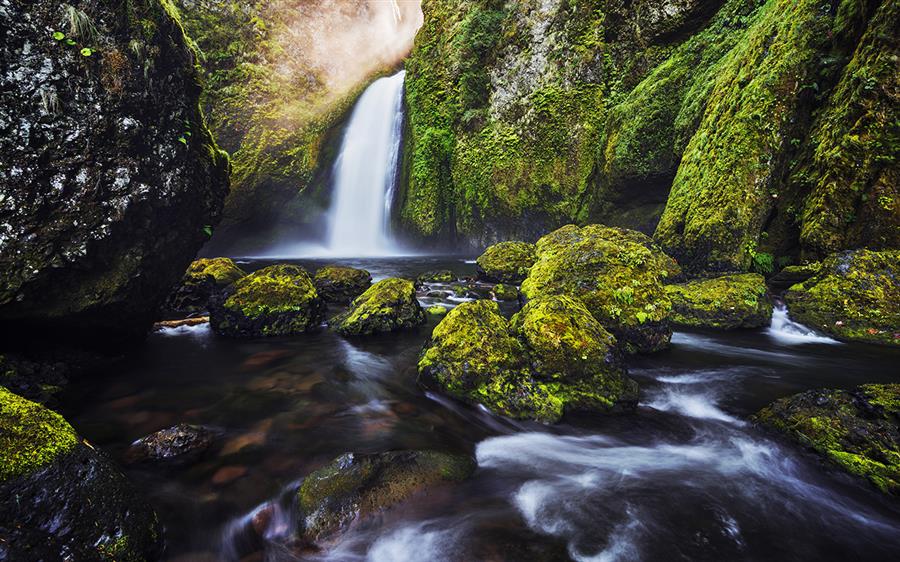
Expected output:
(365, 173)
(786, 331)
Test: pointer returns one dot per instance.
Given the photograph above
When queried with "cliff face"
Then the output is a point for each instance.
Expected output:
(735, 131)
(109, 178)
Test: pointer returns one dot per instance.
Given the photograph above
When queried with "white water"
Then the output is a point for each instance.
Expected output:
(786, 331)
(365, 173)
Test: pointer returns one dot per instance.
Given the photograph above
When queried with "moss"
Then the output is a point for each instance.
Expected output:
(505, 292)
(436, 310)
(223, 271)
(506, 262)
(32, 436)
(723, 303)
(341, 284)
(855, 430)
(386, 306)
(617, 273)
(854, 296)
(441, 276)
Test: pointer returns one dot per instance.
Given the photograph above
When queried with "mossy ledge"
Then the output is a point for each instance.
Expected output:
(723, 303)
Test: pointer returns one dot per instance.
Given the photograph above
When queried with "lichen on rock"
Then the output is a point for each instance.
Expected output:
(722, 303)
(388, 305)
(506, 262)
(203, 279)
(339, 284)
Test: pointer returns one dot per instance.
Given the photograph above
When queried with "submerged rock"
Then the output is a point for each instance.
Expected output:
(203, 279)
(854, 296)
(857, 431)
(723, 303)
(177, 444)
(506, 262)
(554, 357)
(340, 284)
(60, 499)
(386, 306)
(503, 292)
(617, 273)
(274, 301)
(356, 486)
(441, 276)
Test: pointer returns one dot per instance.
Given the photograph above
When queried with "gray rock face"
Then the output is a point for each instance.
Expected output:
(109, 178)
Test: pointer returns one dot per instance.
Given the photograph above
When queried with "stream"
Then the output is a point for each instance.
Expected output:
(688, 477)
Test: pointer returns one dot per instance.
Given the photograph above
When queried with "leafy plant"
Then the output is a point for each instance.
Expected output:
(87, 51)
(59, 35)
(208, 230)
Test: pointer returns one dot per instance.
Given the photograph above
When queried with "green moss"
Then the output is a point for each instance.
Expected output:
(436, 310)
(386, 306)
(341, 284)
(32, 436)
(724, 303)
(854, 296)
(506, 262)
(442, 276)
(505, 292)
(223, 271)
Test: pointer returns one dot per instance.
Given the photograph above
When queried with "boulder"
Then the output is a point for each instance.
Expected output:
(617, 273)
(340, 284)
(854, 296)
(275, 301)
(203, 279)
(440, 276)
(60, 498)
(436, 310)
(386, 306)
(523, 370)
(178, 444)
(856, 430)
(504, 292)
(109, 179)
(793, 274)
(722, 303)
(506, 262)
(355, 486)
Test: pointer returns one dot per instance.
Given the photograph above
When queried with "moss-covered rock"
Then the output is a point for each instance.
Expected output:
(523, 370)
(436, 310)
(203, 279)
(506, 262)
(723, 303)
(275, 301)
(62, 499)
(340, 284)
(439, 276)
(793, 274)
(617, 273)
(857, 431)
(386, 306)
(503, 292)
(357, 486)
(854, 296)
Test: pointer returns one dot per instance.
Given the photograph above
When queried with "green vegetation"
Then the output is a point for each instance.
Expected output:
(386, 306)
(724, 303)
(341, 284)
(506, 262)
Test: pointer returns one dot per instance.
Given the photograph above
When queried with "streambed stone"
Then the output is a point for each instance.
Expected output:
(506, 262)
(339, 284)
(178, 444)
(203, 279)
(386, 306)
(723, 303)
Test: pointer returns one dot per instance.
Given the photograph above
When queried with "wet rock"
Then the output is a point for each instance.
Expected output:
(195, 321)
(356, 486)
(387, 306)
(178, 444)
(503, 292)
(440, 276)
(341, 285)
(854, 296)
(436, 310)
(506, 262)
(857, 430)
(277, 300)
(203, 279)
(109, 179)
(722, 303)
(553, 357)
(617, 273)
(793, 274)
(61, 499)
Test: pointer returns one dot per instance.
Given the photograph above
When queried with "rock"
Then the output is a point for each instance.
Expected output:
(857, 431)
(178, 444)
(854, 296)
(722, 303)
(109, 179)
(436, 310)
(195, 321)
(357, 486)
(506, 262)
(793, 274)
(503, 292)
(60, 499)
(203, 279)
(387, 306)
(617, 273)
(441, 276)
(522, 370)
(274, 301)
(341, 285)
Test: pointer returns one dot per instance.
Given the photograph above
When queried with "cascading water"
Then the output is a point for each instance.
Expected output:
(366, 173)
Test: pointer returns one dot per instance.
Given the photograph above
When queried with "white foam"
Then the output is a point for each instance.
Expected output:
(787, 332)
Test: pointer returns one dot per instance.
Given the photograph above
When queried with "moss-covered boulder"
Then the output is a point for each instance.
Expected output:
(856, 430)
(340, 284)
(61, 499)
(203, 279)
(438, 276)
(275, 301)
(854, 296)
(503, 292)
(617, 273)
(722, 303)
(506, 262)
(386, 306)
(522, 370)
(793, 274)
(357, 486)
(436, 310)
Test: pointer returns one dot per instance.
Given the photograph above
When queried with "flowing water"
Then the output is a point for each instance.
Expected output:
(688, 477)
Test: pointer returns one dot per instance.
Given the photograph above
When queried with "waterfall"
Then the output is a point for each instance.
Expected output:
(786, 331)
(365, 173)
